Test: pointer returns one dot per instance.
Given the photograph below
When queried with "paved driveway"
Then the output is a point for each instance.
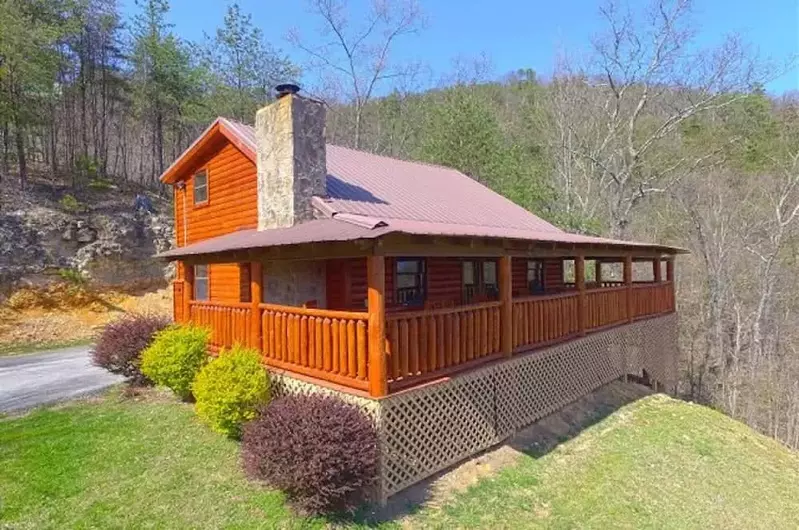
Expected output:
(50, 376)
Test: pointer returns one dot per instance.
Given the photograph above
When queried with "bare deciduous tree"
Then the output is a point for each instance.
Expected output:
(617, 118)
(357, 57)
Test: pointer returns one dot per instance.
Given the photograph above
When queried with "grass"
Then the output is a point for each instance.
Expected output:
(120, 463)
(657, 463)
(18, 348)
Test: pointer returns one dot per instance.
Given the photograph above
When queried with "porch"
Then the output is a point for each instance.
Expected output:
(391, 347)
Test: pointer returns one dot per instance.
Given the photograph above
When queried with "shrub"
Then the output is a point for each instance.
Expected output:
(121, 343)
(230, 388)
(320, 451)
(70, 204)
(73, 276)
(175, 357)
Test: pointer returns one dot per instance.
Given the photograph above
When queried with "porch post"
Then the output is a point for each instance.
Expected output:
(256, 297)
(598, 272)
(506, 309)
(376, 302)
(657, 270)
(628, 282)
(188, 290)
(579, 283)
(670, 279)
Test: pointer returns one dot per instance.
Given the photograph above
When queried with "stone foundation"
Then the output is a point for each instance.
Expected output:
(428, 429)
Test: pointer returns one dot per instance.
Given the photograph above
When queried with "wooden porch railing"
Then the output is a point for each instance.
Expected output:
(334, 346)
(229, 322)
(421, 343)
(544, 319)
(329, 345)
(652, 299)
(605, 307)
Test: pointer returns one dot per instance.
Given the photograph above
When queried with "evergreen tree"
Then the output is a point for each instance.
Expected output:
(243, 66)
(166, 84)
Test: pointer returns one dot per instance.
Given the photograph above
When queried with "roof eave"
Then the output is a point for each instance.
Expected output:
(220, 127)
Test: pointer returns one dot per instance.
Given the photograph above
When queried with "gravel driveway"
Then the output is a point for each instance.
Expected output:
(50, 376)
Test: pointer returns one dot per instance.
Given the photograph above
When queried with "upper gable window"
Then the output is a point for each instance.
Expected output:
(201, 187)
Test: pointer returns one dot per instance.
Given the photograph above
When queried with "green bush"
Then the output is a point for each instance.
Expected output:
(175, 357)
(69, 203)
(230, 389)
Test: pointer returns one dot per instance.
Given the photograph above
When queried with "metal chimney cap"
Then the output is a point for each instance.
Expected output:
(285, 89)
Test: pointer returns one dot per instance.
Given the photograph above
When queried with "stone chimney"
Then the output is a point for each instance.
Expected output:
(290, 138)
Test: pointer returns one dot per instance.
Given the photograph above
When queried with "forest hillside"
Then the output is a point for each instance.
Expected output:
(646, 131)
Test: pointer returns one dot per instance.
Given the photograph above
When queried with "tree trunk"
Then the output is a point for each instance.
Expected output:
(6, 144)
(23, 164)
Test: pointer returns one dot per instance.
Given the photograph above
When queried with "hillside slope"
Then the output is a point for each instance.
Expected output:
(655, 463)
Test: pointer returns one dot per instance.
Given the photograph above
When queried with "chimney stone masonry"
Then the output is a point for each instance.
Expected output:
(290, 138)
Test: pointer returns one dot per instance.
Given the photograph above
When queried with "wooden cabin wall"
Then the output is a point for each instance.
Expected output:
(346, 280)
(553, 275)
(232, 197)
(224, 282)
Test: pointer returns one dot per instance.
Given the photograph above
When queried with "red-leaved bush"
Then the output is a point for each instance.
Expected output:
(322, 452)
(119, 346)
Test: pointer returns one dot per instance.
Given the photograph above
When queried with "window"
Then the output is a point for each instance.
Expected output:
(535, 276)
(410, 286)
(245, 294)
(201, 187)
(201, 282)
(479, 280)
(490, 284)
(469, 280)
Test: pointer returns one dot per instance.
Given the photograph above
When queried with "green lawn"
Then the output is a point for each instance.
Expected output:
(117, 463)
(658, 463)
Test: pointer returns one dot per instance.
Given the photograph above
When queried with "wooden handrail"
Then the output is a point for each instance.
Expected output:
(313, 312)
(402, 315)
(233, 305)
(534, 297)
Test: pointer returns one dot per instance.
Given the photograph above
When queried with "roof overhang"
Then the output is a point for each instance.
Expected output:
(346, 229)
(204, 144)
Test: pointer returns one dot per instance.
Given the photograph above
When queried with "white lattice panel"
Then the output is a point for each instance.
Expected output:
(428, 429)
(423, 428)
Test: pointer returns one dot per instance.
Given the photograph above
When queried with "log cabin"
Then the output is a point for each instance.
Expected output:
(449, 312)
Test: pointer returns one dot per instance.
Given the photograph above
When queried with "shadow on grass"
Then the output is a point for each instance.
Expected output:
(535, 441)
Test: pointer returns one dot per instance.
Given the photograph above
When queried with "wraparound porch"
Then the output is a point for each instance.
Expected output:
(380, 351)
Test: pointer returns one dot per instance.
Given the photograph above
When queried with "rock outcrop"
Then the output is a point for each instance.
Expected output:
(110, 245)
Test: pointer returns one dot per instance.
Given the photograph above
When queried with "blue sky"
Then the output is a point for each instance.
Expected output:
(512, 34)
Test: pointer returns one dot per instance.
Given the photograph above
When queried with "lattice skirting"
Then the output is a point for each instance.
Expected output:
(428, 429)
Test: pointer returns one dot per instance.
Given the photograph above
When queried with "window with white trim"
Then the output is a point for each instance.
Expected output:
(201, 282)
(201, 187)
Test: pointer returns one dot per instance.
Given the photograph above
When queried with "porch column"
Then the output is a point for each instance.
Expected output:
(670, 279)
(579, 283)
(188, 290)
(657, 270)
(376, 302)
(598, 272)
(256, 297)
(506, 309)
(628, 283)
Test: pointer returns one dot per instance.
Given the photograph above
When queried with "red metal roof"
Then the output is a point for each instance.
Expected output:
(370, 195)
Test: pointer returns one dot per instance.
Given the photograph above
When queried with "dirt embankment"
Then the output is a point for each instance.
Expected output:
(63, 313)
